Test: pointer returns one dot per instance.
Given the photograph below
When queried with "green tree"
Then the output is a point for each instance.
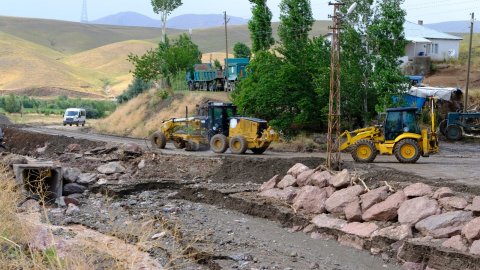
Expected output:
(134, 89)
(296, 21)
(217, 65)
(12, 104)
(260, 26)
(167, 60)
(241, 50)
(165, 8)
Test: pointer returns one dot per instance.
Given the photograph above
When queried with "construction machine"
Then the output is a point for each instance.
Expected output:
(400, 135)
(220, 129)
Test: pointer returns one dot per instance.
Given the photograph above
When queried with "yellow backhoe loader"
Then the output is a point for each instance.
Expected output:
(400, 135)
(220, 129)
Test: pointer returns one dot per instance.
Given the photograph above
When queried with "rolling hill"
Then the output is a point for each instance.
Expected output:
(455, 27)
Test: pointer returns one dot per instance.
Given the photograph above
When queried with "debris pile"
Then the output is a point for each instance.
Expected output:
(382, 219)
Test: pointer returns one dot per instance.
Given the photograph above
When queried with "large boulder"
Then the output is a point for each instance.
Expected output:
(353, 211)
(297, 169)
(287, 194)
(73, 188)
(386, 210)
(323, 221)
(453, 203)
(416, 209)
(132, 149)
(320, 179)
(471, 231)
(442, 193)
(418, 190)
(456, 242)
(475, 206)
(311, 199)
(287, 181)
(70, 175)
(364, 229)
(397, 233)
(341, 179)
(475, 247)
(87, 178)
(373, 196)
(304, 177)
(341, 198)
(111, 168)
(444, 225)
(270, 183)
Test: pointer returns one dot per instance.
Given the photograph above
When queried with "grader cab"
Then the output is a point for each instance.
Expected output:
(220, 129)
(400, 135)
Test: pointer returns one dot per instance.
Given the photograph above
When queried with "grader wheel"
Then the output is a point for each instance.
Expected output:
(364, 151)
(179, 144)
(407, 151)
(238, 145)
(158, 140)
(219, 143)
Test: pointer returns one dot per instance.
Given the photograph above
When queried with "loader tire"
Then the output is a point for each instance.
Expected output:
(261, 150)
(454, 133)
(192, 146)
(443, 127)
(364, 151)
(407, 151)
(219, 143)
(238, 145)
(179, 144)
(158, 140)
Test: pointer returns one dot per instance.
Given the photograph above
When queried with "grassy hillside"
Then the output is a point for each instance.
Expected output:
(144, 114)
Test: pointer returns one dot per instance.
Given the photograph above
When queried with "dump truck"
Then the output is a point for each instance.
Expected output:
(220, 129)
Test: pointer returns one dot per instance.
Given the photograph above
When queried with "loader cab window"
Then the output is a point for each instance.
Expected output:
(220, 118)
(398, 122)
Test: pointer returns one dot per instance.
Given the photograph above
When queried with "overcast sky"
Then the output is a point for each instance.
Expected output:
(430, 11)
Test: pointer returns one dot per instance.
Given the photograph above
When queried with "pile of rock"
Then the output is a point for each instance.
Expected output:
(357, 216)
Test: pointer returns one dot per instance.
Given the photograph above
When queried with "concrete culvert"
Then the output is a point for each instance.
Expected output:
(42, 181)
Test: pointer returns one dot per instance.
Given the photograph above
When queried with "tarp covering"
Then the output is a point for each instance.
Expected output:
(438, 92)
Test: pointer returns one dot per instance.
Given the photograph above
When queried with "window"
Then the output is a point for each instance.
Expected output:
(435, 48)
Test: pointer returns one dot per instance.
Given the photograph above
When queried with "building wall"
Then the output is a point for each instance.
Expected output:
(414, 49)
(445, 47)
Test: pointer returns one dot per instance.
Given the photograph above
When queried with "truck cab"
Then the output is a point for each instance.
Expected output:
(74, 116)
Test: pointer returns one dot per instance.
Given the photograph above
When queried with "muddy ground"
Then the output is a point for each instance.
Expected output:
(204, 208)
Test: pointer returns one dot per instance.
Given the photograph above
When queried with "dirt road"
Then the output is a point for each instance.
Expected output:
(456, 164)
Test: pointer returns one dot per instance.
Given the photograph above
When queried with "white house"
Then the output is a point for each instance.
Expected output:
(423, 41)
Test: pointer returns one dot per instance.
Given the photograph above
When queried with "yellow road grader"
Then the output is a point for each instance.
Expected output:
(219, 128)
(400, 135)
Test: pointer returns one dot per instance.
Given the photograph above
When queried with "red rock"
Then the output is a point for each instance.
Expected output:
(475, 247)
(416, 209)
(418, 190)
(353, 211)
(324, 221)
(287, 194)
(373, 196)
(475, 206)
(471, 231)
(397, 233)
(270, 183)
(320, 179)
(453, 203)
(365, 229)
(302, 178)
(456, 242)
(341, 198)
(351, 240)
(444, 225)
(330, 190)
(413, 266)
(287, 181)
(297, 169)
(341, 179)
(442, 193)
(386, 210)
(311, 199)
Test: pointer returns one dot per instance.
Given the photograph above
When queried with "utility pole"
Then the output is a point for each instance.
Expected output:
(465, 106)
(333, 136)
(226, 20)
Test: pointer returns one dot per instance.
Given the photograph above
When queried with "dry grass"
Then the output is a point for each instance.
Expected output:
(33, 118)
(301, 143)
(143, 115)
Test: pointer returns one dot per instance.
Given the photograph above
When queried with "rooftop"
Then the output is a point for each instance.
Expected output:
(415, 31)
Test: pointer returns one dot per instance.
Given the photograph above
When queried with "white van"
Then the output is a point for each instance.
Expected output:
(74, 116)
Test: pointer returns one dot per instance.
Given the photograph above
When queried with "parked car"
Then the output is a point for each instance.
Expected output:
(74, 116)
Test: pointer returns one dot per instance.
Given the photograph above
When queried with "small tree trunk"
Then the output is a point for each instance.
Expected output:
(164, 27)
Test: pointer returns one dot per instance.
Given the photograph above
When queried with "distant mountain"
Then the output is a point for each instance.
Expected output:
(187, 21)
(198, 21)
(454, 27)
(128, 19)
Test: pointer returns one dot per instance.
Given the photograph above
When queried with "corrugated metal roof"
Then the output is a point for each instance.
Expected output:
(413, 30)
(417, 39)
